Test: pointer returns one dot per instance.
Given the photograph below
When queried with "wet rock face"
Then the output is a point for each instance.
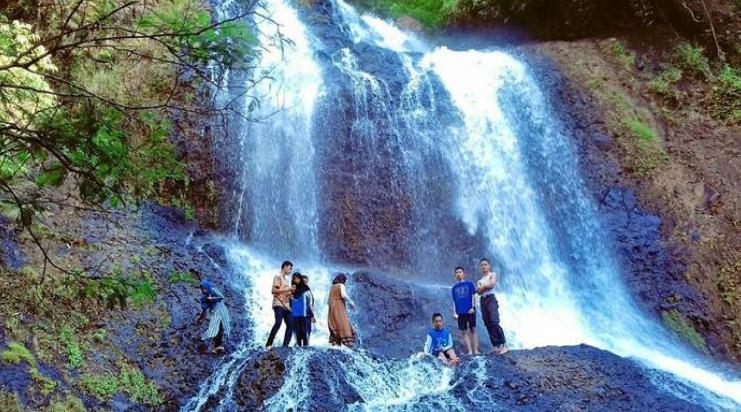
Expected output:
(263, 375)
(561, 378)
(11, 257)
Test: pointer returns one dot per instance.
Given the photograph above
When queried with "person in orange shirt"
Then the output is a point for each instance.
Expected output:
(282, 291)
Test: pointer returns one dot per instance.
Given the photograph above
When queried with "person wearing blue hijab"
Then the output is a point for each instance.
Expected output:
(219, 325)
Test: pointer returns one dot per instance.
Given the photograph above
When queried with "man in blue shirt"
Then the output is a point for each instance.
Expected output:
(439, 342)
(464, 309)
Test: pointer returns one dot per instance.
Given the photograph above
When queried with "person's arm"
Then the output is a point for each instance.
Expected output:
(455, 314)
(488, 285)
(428, 345)
(214, 298)
(343, 293)
(277, 289)
(473, 299)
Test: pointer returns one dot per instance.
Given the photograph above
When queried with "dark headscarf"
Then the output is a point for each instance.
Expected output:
(205, 284)
(301, 286)
(210, 291)
(339, 278)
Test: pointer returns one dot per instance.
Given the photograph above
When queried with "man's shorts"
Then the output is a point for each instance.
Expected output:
(467, 321)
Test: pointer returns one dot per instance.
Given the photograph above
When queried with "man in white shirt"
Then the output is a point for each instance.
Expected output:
(282, 292)
(490, 307)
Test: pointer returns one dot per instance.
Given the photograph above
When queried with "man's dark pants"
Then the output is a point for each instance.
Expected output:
(281, 315)
(490, 314)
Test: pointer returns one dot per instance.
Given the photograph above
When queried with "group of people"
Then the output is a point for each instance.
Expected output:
(293, 307)
(439, 341)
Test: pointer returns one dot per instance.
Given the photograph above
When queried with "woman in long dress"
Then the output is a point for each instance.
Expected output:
(341, 331)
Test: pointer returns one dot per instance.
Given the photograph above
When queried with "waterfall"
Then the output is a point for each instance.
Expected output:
(420, 157)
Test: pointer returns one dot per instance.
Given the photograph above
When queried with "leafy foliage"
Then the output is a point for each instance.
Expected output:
(692, 59)
(103, 387)
(85, 101)
(67, 337)
(117, 288)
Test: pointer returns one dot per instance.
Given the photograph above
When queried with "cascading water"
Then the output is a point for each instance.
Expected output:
(459, 151)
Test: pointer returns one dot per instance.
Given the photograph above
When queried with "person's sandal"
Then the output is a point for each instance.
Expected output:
(503, 350)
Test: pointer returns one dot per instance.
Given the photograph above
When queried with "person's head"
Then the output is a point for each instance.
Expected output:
(437, 321)
(339, 278)
(205, 286)
(306, 280)
(459, 273)
(286, 267)
(484, 266)
(298, 280)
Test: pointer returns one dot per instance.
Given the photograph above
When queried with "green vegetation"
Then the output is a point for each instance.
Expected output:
(66, 404)
(68, 338)
(692, 60)
(648, 153)
(130, 381)
(726, 95)
(432, 14)
(641, 130)
(730, 79)
(133, 383)
(662, 84)
(103, 387)
(46, 385)
(626, 57)
(183, 277)
(676, 322)
(17, 353)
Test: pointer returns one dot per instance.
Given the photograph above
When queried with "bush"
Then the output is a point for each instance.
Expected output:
(140, 390)
(130, 381)
(729, 79)
(692, 59)
(662, 84)
(102, 387)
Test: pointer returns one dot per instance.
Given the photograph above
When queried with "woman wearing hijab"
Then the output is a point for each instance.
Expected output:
(300, 308)
(341, 331)
(219, 325)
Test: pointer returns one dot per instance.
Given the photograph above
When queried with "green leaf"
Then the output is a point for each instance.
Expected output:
(52, 177)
